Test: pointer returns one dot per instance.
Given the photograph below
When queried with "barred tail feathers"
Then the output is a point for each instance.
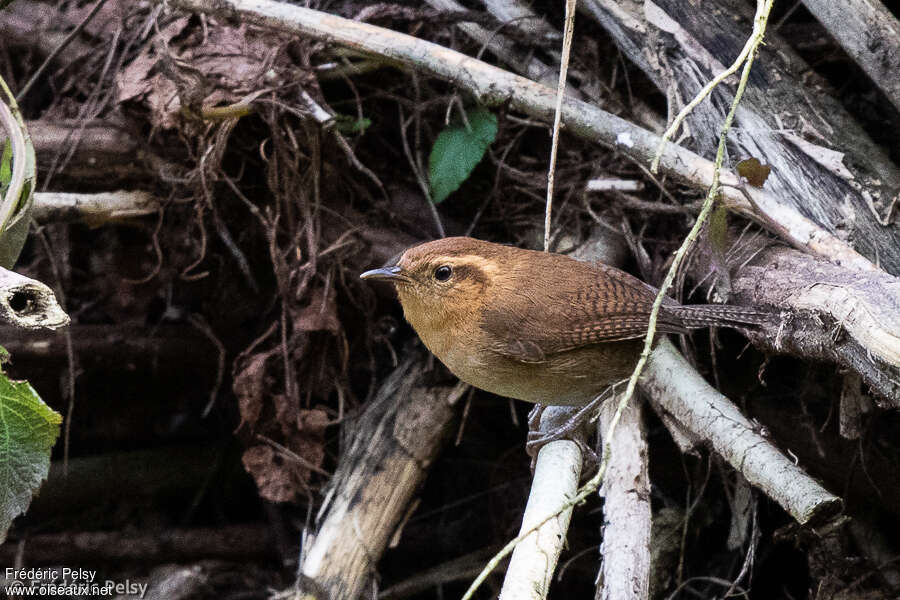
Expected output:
(697, 316)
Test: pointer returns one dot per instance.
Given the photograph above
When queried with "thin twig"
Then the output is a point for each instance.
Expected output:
(426, 191)
(557, 115)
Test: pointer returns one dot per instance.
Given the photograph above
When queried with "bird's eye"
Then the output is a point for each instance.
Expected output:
(443, 273)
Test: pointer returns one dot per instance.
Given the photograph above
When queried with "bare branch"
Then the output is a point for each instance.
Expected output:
(676, 388)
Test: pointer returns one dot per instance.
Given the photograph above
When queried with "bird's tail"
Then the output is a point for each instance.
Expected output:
(696, 316)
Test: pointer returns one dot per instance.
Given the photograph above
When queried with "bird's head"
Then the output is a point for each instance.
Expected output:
(443, 282)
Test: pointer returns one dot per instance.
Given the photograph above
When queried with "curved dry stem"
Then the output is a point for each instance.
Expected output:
(17, 181)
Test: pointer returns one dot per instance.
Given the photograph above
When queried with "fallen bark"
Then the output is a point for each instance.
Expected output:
(828, 313)
(824, 165)
(870, 34)
(494, 87)
(391, 447)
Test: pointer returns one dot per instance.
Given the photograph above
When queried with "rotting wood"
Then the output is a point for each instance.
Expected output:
(29, 304)
(823, 164)
(828, 313)
(870, 34)
(389, 451)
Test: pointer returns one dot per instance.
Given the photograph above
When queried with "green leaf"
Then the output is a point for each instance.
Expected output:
(28, 430)
(457, 150)
(5, 167)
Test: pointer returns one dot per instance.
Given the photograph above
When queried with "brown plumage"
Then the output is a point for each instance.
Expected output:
(532, 325)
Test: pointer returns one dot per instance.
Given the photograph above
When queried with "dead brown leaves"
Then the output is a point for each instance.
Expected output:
(228, 62)
(288, 442)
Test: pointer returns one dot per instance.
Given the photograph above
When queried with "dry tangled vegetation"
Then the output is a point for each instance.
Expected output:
(223, 351)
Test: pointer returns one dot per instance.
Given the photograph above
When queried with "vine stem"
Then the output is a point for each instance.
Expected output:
(763, 8)
(752, 44)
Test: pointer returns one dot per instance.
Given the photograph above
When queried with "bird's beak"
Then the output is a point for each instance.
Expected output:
(388, 273)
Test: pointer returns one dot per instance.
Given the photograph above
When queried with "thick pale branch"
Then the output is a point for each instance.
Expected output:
(555, 482)
(676, 388)
(556, 474)
(56, 207)
(625, 571)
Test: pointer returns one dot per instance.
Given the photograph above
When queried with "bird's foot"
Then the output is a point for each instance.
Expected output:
(564, 423)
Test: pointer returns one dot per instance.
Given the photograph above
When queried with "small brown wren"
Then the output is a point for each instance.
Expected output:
(531, 325)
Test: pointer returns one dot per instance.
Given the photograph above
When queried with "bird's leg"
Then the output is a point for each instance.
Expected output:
(538, 436)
